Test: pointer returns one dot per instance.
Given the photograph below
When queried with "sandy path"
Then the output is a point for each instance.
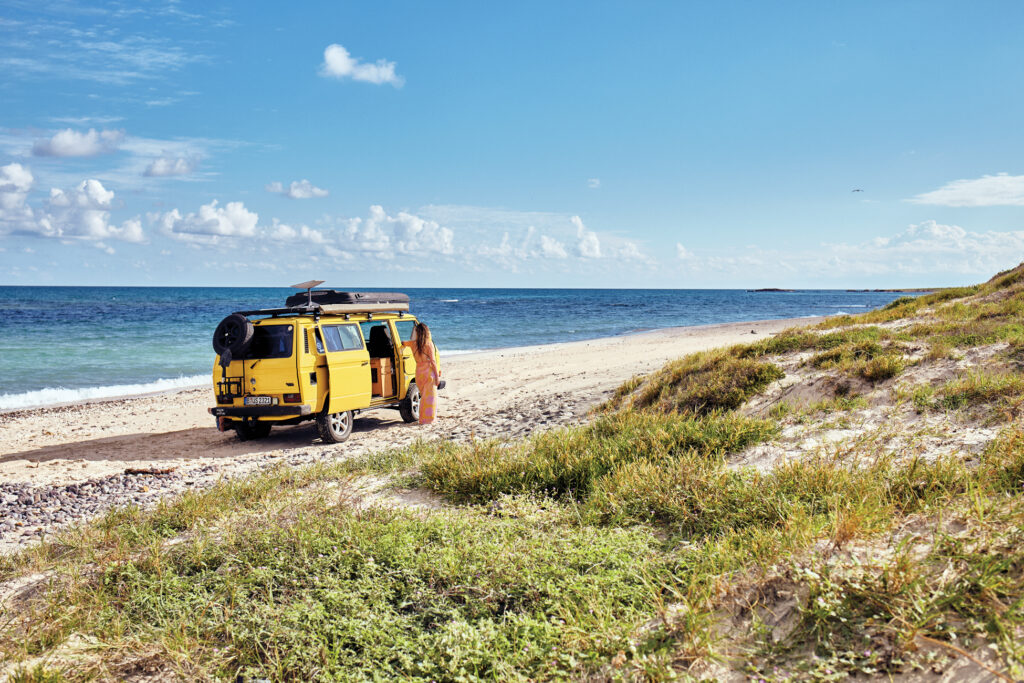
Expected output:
(46, 453)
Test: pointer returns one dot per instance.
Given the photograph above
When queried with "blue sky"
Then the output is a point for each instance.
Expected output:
(530, 144)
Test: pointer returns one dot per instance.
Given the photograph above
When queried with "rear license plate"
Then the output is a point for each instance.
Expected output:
(259, 400)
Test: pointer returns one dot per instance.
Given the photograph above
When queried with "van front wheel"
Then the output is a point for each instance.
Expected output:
(334, 427)
(409, 408)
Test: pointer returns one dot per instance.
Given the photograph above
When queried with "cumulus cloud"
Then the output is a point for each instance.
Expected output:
(510, 253)
(298, 189)
(990, 190)
(71, 143)
(79, 213)
(210, 222)
(552, 248)
(83, 212)
(629, 251)
(170, 166)
(593, 183)
(15, 183)
(285, 233)
(588, 245)
(405, 233)
(338, 63)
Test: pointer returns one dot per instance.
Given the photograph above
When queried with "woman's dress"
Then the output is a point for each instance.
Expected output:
(427, 376)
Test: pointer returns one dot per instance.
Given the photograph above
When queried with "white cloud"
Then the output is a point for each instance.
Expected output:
(990, 190)
(82, 213)
(630, 252)
(682, 253)
(211, 221)
(298, 189)
(407, 233)
(552, 248)
(510, 253)
(114, 46)
(593, 183)
(928, 250)
(286, 233)
(86, 120)
(15, 183)
(588, 245)
(170, 166)
(71, 143)
(338, 63)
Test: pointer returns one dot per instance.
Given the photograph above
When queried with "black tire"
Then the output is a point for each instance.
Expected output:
(335, 427)
(234, 333)
(251, 431)
(409, 408)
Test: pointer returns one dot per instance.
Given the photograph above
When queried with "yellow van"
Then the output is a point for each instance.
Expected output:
(325, 356)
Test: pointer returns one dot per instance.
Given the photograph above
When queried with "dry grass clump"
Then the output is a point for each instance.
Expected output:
(570, 462)
(702, 383)
(1000, 391)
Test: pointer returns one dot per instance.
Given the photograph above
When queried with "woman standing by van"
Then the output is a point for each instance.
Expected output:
(428, 371)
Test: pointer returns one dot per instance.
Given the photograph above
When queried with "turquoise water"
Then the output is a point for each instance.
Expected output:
(61, 344)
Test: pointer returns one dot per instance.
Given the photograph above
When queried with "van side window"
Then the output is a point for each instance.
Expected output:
(342, 337)
(404, 328)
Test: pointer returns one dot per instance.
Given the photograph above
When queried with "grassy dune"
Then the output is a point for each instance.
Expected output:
(641, 546)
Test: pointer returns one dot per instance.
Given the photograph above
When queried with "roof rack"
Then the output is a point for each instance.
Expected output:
(330, 309)
(277, 312)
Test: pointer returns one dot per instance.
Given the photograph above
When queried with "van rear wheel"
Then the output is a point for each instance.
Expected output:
(409, 408)
(250, 431)
(334, 427)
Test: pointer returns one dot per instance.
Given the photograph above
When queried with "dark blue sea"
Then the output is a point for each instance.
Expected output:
(61, 344)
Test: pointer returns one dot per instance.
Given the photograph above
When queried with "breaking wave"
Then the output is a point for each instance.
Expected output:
(58, 395)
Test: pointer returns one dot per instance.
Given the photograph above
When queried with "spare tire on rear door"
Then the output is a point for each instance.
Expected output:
(234, 334)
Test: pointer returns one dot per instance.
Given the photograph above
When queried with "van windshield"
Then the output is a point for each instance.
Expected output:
(272, 341)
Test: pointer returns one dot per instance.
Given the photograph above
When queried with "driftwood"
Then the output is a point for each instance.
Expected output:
(149, 470)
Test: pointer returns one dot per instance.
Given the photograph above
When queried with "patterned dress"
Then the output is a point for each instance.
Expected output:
(427, 376)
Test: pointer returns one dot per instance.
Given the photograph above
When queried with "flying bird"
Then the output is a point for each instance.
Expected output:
(857, 190)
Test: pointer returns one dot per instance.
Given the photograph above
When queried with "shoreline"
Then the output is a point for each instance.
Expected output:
(12, 413)
(64, 464)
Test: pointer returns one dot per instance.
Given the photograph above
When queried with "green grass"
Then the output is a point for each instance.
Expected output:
(996, 392)
(317, 591)
(568, 462)
(699, 384)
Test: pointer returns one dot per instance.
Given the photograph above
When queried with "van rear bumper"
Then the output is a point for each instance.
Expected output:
(259, 411)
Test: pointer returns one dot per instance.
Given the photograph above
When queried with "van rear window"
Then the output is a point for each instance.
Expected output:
(272, 341)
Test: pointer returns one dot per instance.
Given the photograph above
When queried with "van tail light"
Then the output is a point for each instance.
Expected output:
(292, 398)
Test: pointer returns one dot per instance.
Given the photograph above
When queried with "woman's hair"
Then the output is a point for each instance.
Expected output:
(422, 337)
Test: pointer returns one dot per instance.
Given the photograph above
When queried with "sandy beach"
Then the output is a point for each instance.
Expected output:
(67, 462)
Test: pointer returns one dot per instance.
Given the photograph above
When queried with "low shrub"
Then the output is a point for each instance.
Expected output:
(706, 382)
(568, 462)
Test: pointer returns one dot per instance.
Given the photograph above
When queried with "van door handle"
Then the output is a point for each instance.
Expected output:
(365, 362)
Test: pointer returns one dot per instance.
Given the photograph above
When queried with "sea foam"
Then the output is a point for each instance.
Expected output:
(57, 395)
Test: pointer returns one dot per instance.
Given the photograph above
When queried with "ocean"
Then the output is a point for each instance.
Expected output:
(63, 344)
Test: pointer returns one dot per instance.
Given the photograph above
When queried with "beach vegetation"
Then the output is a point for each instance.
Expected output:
(699, 384)
(632, 547)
